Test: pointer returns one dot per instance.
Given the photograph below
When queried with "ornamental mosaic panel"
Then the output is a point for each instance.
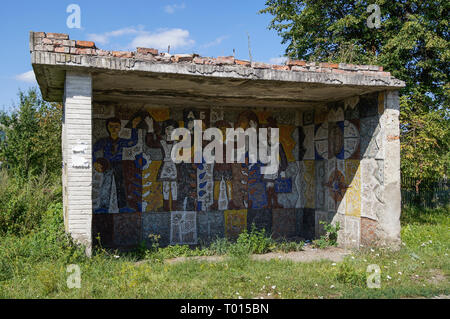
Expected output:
(183, 228)
(353, 193)
(235, 222)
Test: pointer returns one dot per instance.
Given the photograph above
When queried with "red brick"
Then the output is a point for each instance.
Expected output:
(68, 43)
(368, 231)
(380, 68)
(49, 48)
(183, 58)
(260, 65)
(297, 68)
(39, 34)
(147, 51)
(60, 36)
(122, 54)
(47, 41)
(228, 60)
(393, 137)
(384, 73)
(84, 51)
(102, 52)
(85, 44)
(242, 62)
(199, 60)
(329, 65)
(296, 63)
(62, 50)
(281, 67)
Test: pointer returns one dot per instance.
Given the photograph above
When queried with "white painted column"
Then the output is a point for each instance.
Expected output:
(389, 222)
(77, 157)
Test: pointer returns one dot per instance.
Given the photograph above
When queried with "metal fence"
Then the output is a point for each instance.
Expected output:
(429, 193)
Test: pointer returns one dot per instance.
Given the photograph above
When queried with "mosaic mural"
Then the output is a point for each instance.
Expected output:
(325, 156)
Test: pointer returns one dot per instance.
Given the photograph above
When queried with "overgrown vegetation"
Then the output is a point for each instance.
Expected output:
(23, 203)
(331, 235)
(254, 242)
(32, 137)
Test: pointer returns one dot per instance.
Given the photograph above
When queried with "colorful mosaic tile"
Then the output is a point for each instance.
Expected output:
(183, 228)
(353, 193)
(235, 222)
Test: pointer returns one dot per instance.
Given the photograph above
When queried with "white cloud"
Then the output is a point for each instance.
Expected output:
(161, 39)
(103, 38)
(217, 41)
(171, 8)
(28, 77)
(278, 60)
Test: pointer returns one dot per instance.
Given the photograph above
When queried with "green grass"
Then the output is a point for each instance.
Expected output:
(34, 266)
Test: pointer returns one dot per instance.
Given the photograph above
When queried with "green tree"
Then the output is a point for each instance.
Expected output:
(32, 142)
(412, 43)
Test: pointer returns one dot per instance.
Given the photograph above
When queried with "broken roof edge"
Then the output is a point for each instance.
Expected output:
(58, 51)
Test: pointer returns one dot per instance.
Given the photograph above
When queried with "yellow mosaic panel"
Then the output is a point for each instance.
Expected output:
(287, 141)
(320, 115)
(381, 103)
(152, 196)
(353, 193)
(159, 115)
(310, 189)
(262, 116)
(235, 222)
(151, 173)
(217, 189)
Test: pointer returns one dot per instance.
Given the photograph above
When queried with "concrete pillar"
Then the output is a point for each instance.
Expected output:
(77, 157)
(389, 222)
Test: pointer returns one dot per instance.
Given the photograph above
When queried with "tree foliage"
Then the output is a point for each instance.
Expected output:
(32, 142)
(412, 43)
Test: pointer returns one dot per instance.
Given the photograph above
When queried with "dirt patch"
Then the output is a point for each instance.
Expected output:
(308, 255)
(437, 276)
(198, 258)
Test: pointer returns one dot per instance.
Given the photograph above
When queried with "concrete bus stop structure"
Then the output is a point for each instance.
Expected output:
(339, 136)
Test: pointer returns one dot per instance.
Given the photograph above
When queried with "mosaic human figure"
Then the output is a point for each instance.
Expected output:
(110, 164)
(271, 179)
(168, 171)
(246, 189)
(223, 173)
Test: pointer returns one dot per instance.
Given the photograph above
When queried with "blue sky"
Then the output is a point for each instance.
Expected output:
(209, 28)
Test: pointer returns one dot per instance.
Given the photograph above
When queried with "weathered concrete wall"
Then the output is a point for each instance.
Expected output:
(77, 157)
(332, 168)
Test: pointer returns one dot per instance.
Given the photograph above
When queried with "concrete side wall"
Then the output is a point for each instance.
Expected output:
(77, 157)
(390, 221)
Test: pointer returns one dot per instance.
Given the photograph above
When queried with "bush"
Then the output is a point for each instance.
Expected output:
(23, 203)
(347, 274)
(331, 236)
(31, 142)
(253, 242)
